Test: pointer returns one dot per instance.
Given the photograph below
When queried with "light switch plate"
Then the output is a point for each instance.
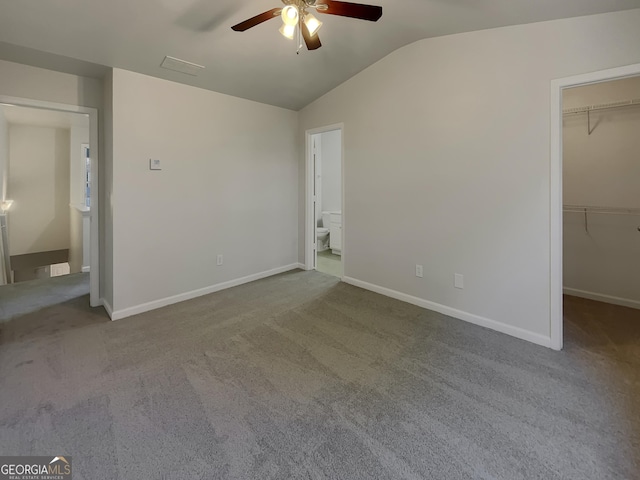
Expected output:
(154, 164)
(458, 281)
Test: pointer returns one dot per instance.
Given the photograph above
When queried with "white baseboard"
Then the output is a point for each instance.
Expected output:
(86, 269)
(107, 307)
(452, 312)
(163, 302)
(599, 297)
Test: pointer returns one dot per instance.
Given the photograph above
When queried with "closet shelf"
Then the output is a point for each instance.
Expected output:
(600, 210)
(586, 210)
(601, 106)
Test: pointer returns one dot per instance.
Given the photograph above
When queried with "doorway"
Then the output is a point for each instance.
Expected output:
(49, 194)
(583, 206)
(325, 200)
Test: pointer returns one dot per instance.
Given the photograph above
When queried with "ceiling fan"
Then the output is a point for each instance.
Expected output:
(295, 13)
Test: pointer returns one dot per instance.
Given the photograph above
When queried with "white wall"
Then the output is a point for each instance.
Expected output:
(447, 145)
(79, 241)
(4, 167)
(106, 196)
(79, 237)
(39, 186)
(331, 152)
(79, 136)
(4, 155)
(317, 151)
(75, 240)
(602, 170)
(228, 186)
(23, 81)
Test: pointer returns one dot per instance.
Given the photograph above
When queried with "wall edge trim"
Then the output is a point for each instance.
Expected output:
(601, 297)
(107, 307)
(455, 313)
(181, 297)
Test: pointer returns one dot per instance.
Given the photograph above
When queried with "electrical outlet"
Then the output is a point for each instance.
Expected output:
(220, 260)
(419, 271)
(458, 281)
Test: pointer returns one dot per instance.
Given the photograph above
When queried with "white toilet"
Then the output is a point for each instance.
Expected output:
(322, 233)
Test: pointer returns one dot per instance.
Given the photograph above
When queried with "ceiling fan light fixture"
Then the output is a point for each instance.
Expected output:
(290, 15)
(287, 31)
(295, 14)
(312, 23)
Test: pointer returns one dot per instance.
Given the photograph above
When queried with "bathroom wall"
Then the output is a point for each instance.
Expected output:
(331, 152)
(602, 170)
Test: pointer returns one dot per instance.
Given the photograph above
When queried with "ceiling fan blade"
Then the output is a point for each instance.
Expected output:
(353, 10)
(313, 42)
(257, 20)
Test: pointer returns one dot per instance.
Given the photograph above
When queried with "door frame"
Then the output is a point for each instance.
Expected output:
(310, 250)
(94, 274)
(556, 204)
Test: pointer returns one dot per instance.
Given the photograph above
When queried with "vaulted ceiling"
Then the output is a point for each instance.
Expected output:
(259, 64)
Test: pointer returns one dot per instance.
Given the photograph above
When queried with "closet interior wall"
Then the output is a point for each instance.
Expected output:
(601, 174)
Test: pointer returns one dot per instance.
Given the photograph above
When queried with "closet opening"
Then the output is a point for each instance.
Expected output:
(599, 149)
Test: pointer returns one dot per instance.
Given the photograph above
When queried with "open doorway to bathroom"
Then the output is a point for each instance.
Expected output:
(49, 241)
(325, 199)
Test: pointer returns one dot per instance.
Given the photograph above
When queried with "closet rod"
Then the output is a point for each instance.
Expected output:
(587, 209)
(601, 210)
(601, 106)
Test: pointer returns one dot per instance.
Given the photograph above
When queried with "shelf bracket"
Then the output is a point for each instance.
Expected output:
(586, 222)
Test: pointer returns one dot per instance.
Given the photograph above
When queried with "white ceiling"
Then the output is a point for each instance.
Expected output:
(37, 117)
(258, 64)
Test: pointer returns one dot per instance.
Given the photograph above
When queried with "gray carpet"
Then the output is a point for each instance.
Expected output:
(25, 297)
(299, 376)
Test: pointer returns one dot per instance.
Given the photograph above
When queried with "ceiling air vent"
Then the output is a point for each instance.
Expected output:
(182, 66)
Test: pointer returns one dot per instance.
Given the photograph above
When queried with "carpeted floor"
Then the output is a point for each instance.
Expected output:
(299, 376)
(25, 297)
